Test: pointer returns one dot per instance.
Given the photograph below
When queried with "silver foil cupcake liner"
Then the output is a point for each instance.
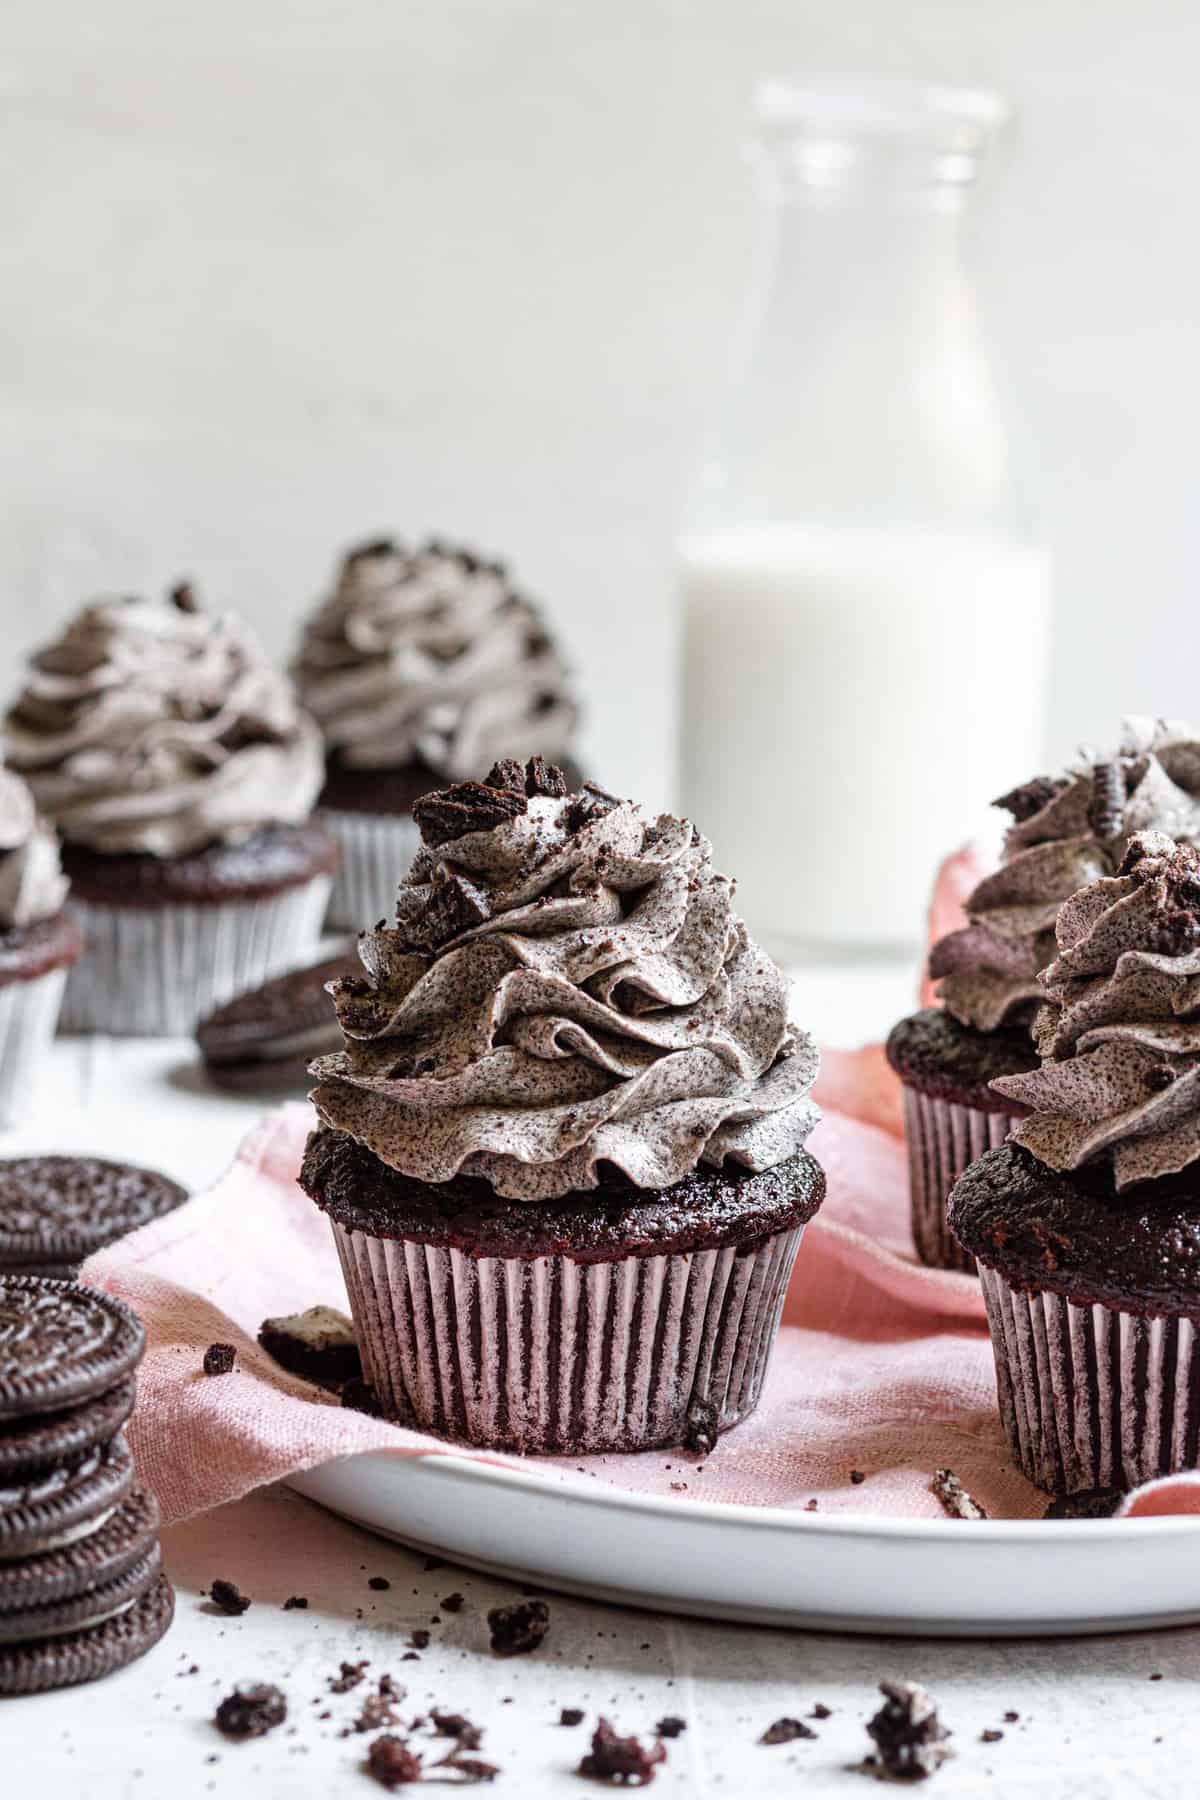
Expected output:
(1092, 1397)
(154, 972)
(553, 1355)
(943, 1138)
(377, 850)
(29, 1013)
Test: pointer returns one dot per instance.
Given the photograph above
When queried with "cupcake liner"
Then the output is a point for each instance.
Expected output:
(29, 1012)
(1092, 1397)
(549, 1354)
(377, 850)
(154, 971)
(943, 1138)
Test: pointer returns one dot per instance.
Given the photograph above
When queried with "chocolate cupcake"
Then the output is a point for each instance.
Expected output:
(1065, 832)
(1086, 1225)
(39, 941)
(423, 667)
(181, 774)
(562, 1151)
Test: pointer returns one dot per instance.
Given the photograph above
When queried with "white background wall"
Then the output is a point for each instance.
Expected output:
(278, 274)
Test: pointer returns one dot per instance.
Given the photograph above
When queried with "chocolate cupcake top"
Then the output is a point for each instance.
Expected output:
(32, 884)
(1120, 1036)
(151, 726)
(566, 991)
(432, 656)
(1066, 832)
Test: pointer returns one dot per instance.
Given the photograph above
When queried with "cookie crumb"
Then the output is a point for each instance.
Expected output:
(954, 1497)
(821, 1711)
(380, 1583)
(857, 1477)
(392, 1762)
(296, 1603)
(251, 1711)
(614, 1758)
(990, 1737)
(228, 1597)
(785, 1731)
(1092, 1503)
(456, 1725)
(219, 1359)
(571, 1715)
(907, 1732)
(703, 1419)
(349, 1676)
(519, 1628)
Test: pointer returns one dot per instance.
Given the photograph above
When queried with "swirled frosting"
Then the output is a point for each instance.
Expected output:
(432, 656)
(1120, 1033)
(566, 986)
(32, 884)
(150, 726)
(1066, 832)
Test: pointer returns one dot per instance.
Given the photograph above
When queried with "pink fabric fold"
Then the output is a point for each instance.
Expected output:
(883, 1368)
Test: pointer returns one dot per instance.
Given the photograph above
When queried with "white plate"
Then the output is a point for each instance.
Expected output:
(768, 1566)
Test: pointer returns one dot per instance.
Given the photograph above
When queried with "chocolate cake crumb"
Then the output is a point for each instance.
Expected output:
(219, 1359)
(1011, 1718)
(785, 1731)
(391, 1762)
(954, 1497)
(456, 1725)
(519, 1628)
(251, 1711)
(907, 1732)
(467, 806)
(1094, 1503)
(571, 1715)
(857, 1477)
(543, 778)
(420, 1638)
(361, 1397)
(507, 773)
(452, 1603)
(810, 1506)
(296, 1603)
(821, 1711)
(703, 1419)
(990, 1737)
(349, 1677)
(228, 1598)
(380, 1583)
(617, 1759)
(1106, 809)
(671, 1726)
(377, 1708)
(1025, 801)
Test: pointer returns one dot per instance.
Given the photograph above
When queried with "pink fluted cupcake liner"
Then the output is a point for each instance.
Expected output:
(377, 850)
(549, 1354)
(29, 1013)
(1092, 1397)
(154, 971)
(943, 1138)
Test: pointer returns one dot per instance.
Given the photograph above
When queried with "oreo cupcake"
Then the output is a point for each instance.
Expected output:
(423, 667)
(1065, 832)
(181, 774)
(562, 1151)
(39, 941)
(1086, 1225)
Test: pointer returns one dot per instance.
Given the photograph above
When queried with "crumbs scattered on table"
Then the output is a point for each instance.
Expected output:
(380, 1583)
(519, 1628)
(786, 1731)
(571, 1715)
(671, 1726)
(392, 1762)
(452, 1603)
(349, 1675)
(296, 1603)
(621, 1759)
(219, 1359)
(228, 1598)
(908, 1735)
(251, 1711)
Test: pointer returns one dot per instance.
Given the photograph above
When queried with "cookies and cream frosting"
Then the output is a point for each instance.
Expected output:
(566, 985)
(1066, 833)
(32, 884)
(1120, 1033)
(151, 726)
(432, 656)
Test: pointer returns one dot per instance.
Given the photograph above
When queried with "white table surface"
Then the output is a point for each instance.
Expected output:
(1093, 1722)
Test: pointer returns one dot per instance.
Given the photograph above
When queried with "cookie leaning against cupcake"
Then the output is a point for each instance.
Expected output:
(181, 774)
(562, 1151)
(1065, 832)
(424, 667)
(39, 941)
(1086, 1225)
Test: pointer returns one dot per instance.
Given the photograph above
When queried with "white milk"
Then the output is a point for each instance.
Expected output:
(852, 700)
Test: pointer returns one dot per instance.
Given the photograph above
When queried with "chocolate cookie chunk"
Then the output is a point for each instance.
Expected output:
(61, 1344)
(45, 1438)
(318, 1344)
(57, 1210)
(87, 1655)
(264, 1040)
(122, 1543)
(48, 1510)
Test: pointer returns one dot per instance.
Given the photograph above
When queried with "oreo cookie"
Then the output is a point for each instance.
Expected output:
(54, 1507)
(264, 1040)
(57, 1210)
(61, 1344)
(86, 1655)
(45, 1438)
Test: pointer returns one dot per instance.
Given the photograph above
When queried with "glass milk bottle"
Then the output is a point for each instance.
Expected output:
(865, 620)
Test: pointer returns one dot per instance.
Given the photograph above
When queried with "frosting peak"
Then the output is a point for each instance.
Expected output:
(565, 986)
(1120, 1034)
(1066, 832)
(433, 656)
(32, 884)
(150, 726)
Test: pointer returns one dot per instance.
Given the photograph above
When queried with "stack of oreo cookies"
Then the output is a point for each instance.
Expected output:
(81, 1586)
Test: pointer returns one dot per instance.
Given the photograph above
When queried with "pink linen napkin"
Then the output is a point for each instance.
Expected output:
(883, 1367)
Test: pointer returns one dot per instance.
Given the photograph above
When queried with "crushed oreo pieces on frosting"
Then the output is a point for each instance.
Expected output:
(566, 989)
(1065, 833)
(1119, 1083)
